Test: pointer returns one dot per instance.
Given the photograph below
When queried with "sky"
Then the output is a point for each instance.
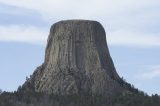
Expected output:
(132, 30)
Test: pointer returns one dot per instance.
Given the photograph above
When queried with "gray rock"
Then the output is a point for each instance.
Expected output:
(77, 60)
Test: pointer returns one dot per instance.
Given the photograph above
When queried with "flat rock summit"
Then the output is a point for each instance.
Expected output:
(77, 61)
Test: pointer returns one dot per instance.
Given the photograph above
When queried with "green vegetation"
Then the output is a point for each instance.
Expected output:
(20, 98)
(27, 97)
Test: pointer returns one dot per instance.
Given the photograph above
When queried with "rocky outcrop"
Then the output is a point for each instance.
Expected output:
(77, 61)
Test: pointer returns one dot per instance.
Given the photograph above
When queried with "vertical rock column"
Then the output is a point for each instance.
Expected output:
(77, 60)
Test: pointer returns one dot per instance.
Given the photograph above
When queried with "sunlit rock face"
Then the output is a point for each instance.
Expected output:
(77, 61)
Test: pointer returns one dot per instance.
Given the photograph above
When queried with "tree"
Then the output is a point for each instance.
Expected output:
(27, 78)
(0, 91)
(156, 98)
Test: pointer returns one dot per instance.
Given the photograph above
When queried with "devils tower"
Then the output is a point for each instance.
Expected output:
(77, 71)
(77, 60)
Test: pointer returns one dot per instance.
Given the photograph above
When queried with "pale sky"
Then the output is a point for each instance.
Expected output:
(132, 30)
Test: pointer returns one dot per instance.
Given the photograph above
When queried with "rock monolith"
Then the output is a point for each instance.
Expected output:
(77, 61)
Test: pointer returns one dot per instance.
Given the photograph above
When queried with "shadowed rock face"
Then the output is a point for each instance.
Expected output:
(77, 60)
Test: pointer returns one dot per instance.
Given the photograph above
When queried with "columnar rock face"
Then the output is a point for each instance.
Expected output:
(77, 61)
